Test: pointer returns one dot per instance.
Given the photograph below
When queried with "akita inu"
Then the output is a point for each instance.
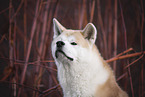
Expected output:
(82, 72)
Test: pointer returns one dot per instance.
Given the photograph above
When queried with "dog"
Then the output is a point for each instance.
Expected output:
(82, 72)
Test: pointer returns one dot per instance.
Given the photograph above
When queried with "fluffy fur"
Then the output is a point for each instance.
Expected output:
(82, 72)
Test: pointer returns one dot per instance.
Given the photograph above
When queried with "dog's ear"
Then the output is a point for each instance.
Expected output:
(90, 33)
(57, 28)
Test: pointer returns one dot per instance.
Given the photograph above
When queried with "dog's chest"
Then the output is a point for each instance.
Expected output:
(77, 80)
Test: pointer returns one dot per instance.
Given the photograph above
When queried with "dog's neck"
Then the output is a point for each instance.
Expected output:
(80, 77)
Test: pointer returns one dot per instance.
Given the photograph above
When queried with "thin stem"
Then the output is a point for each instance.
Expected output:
(125, 56)
(115, 34)
(92, 11)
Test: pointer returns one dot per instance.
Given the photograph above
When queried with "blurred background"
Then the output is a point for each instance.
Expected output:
(27, 68)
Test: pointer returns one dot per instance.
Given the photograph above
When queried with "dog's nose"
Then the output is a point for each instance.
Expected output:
(60, 44)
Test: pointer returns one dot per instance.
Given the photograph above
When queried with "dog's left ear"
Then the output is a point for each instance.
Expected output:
(57, 28)
(90, 33)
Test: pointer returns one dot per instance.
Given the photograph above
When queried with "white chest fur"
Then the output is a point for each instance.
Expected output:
(81, 79)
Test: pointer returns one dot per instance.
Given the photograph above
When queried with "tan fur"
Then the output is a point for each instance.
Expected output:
(110, 88)
(80, 40)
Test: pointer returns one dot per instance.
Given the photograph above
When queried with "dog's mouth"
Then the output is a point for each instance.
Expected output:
(60, 51)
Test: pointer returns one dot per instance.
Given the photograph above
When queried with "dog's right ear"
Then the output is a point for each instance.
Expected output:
(57, 28)
(90, 33)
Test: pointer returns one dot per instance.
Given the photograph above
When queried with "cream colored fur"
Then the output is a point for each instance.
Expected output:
(82, 72)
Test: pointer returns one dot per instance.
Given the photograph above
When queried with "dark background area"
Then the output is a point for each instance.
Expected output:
(27, 68)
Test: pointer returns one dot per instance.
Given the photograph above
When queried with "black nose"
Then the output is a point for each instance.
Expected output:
(60, 44)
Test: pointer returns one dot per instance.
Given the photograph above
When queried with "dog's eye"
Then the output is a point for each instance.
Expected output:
(73, 43)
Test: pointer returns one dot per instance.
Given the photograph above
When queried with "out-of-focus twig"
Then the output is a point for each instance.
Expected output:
(125, 56)
(22, 85)
(102, 26)
(115, 33)
(5, 10)
(81, 18)
(46, 92)
(2, 38)
(134, 61)
(25, 27)
(124, 52)
(123, 75)
(92, 11)
(18, 9)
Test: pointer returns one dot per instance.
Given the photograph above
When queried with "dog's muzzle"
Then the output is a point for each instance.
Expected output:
(60, 51)
(59, 45)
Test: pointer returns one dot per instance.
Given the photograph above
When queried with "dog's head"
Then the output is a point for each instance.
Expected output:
(71, 45)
